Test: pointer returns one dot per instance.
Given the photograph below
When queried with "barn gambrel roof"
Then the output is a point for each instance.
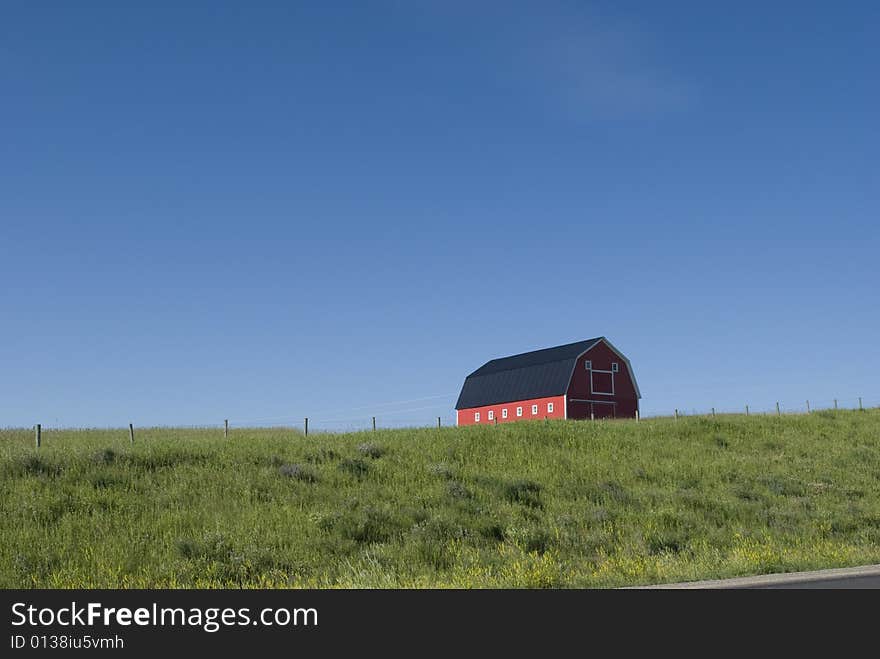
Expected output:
(536, 374)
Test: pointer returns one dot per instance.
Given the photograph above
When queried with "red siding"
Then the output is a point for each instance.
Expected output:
(584, 396)
(466, 417)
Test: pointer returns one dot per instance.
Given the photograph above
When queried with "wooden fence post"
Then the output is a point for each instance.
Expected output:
(676, 414)
(307, 427)
(861, 409)
(808, 407)
(374, 424)
(747, 410)
(226, 429)
(835, 403)
(438, 422)
(131, 433)
(38, 434)
(777, 408)
(713, 412)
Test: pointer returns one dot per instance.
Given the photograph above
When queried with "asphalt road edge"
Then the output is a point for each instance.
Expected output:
(772, 580)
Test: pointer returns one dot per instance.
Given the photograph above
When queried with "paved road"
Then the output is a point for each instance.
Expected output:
(866, 576)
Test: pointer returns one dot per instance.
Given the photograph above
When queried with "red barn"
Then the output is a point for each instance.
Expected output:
(582, 380)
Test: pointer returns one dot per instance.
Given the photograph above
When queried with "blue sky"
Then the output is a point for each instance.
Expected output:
(264, 211)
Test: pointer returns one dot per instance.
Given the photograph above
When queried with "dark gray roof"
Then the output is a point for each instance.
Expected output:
(535, 374)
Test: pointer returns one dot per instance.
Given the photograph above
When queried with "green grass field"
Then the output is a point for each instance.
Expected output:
(533, 504)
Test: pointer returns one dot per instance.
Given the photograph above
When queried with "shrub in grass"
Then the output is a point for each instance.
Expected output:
(260, 493)
(669, 533)
(367, 525)
(188, 548)
(230, 562)
(104, 481)
(298, 472)
(166, 459)
(323, 454)
(442, 470)
(371, 450)
(748, 491)
(601, 514)
(784, 486)
(608, 492)
(458, 491)
(210, 547)
(32, 465)
(525, 492)
(492, 531)
(665, 542)
(529, 539)
(106, 456)
(355, 467)
(433, 538)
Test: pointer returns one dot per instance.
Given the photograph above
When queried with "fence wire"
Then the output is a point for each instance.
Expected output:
(782, 407)
(402, 414)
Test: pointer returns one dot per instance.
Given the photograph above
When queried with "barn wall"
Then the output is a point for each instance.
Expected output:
(466, 417)
(625, 399)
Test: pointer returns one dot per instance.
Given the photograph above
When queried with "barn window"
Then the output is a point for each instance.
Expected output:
(504, 413)
(476, 417)
(534, 410)
(588, 365)
(519, 411)
(614, 367)
(491, 415)
(549, 408)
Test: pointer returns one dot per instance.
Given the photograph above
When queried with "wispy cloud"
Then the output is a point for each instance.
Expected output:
(600, 73)
(564, 58)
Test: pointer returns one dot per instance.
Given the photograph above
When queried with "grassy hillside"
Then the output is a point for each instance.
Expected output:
(534, 504)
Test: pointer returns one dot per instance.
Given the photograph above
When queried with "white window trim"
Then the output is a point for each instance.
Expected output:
(534, 410)
(491, 415)
(549, 408)
(615, 368)
(519, 411)
(476, 417)
(601, 393)
(504, 413)
(588, 364)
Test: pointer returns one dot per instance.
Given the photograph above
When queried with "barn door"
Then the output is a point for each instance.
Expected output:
(603, 410)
